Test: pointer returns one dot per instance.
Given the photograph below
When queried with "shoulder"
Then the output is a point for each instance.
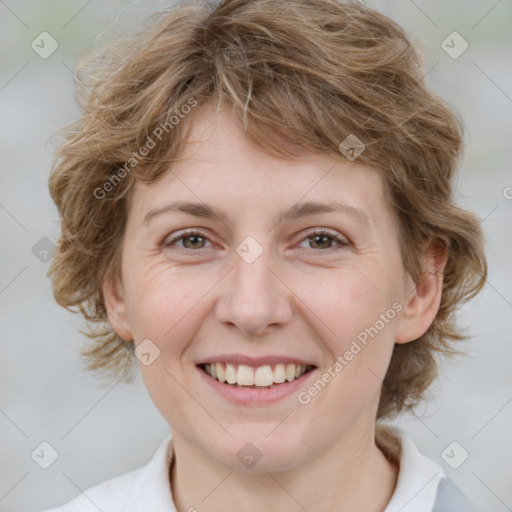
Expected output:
(135, 491)
(422, 485)
(111, 495)
(449, 498)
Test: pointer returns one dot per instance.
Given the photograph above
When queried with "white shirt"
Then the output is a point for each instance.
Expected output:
(422, 485)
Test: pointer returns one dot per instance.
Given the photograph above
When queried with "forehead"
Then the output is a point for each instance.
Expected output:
(221, 166)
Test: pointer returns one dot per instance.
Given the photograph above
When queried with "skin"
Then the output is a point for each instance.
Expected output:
(303, 296)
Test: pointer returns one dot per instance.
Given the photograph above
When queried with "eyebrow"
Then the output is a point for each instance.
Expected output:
(296, 211)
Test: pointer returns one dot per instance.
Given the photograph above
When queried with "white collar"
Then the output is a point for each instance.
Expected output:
(418, 478)
(152, 490)
(415, 491)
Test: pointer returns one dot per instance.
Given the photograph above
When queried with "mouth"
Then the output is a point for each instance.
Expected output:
(256, 377)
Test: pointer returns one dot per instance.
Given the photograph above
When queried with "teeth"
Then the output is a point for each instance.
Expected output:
(221, 373)
(290, 372)
(230, 374)
(245, 376)
(279, 373)
(262, 376)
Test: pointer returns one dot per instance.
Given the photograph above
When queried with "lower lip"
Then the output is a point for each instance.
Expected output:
(248, 396)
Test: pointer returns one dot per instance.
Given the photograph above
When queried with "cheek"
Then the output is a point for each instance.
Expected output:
(163, 302)
(355, 313)
(346, 301)
(358, 344)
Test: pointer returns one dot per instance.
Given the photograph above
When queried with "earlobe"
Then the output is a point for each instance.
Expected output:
(423, 298)
(115, 305)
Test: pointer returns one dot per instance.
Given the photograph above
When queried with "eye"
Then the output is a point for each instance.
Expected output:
(191, 240)
(197, 240)
(324, 238)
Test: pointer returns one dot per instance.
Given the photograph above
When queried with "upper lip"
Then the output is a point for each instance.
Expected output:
(237, 359)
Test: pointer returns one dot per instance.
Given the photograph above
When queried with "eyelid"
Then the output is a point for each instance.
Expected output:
(170, 240)
(341, 240)
(326, 232)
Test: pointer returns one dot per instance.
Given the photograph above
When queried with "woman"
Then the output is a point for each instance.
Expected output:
(257, 209)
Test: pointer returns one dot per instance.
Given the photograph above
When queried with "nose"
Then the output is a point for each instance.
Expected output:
(255, 299)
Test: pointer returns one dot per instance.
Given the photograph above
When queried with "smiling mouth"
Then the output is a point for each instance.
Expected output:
(267, 376)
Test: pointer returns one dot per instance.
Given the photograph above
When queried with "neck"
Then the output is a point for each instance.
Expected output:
(351, 475)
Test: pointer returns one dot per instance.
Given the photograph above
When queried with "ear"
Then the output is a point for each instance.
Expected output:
(113, 294)
(422, 298)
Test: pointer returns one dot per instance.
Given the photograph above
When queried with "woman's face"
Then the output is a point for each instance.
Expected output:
(243, 275)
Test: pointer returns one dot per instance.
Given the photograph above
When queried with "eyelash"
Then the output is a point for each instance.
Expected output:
(342, 242)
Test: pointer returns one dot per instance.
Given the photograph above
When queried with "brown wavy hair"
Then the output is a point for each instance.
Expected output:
(301, 76)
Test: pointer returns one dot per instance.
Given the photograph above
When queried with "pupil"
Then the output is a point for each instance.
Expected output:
(194, 239)
(320, 237)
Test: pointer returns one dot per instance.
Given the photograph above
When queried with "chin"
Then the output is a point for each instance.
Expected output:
(255, 451)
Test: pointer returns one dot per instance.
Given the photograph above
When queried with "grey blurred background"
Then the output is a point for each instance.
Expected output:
(101, 431)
